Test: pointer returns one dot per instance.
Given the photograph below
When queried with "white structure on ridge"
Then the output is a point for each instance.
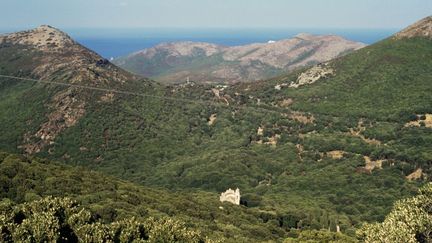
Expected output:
(231, 196)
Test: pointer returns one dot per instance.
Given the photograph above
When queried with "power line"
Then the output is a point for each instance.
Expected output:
(103, 89)
(201, 102)
(191, 101)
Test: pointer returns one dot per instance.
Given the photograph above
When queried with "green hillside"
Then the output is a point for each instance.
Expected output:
(24, 179)
(384, 87)
(336, 152)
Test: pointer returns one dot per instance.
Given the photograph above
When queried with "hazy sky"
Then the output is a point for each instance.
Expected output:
(213, 13)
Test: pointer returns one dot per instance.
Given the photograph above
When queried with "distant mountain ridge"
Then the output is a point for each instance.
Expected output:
(210, 63)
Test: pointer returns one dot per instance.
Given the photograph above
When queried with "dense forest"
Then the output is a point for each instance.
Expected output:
(310, 157)
(111, 210)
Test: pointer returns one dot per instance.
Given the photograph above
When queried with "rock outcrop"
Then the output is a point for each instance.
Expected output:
(372, 164)
(335, 154)
(422, 28)
(422, 120)
(212, 119)
(312, 75)
(43, 37)
(416, 175)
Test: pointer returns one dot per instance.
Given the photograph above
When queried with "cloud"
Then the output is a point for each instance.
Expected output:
(123, 4)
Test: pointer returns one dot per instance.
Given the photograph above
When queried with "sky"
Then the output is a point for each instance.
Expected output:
(344, 14)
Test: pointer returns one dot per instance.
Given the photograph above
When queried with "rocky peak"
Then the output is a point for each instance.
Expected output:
(304, 36)
(56, 53)
(51, 55)
(44, 37)
(46, 28)
(422, 28)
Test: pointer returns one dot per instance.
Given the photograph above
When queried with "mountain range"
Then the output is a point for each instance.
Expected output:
(209, 63)
(324, 147)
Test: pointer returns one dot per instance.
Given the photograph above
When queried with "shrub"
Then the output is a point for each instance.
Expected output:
(409, 221)
(61, 219)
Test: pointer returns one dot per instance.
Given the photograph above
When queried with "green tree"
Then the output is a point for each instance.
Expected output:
(61, 219)
(409, 221)
(320, 236)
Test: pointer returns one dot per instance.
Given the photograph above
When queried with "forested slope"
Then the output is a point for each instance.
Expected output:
(336, 144)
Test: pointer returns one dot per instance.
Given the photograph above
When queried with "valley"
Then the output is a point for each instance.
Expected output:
(329, 145)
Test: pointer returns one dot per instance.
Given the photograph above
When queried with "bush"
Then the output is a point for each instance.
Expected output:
(409, 221)
(61, 219)
(313, 236)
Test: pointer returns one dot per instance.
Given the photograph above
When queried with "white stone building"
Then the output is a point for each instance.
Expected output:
(231, 196)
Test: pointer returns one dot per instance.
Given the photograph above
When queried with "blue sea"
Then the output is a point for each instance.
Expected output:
(118, 42)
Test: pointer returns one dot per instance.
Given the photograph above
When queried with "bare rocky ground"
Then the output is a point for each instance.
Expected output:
(422, 28)
(210, 63)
